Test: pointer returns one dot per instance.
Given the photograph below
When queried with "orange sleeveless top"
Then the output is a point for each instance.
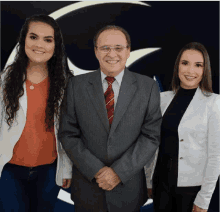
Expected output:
(36, 146)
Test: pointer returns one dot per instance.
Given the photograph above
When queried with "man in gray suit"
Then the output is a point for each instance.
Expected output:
(110, 128)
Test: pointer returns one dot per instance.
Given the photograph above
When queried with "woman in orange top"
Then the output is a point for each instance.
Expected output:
(32, 160)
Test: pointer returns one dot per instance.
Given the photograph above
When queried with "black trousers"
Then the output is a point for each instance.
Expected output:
(177, 199)
(167, 197)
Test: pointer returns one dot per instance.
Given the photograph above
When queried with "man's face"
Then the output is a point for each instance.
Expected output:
(112, 61)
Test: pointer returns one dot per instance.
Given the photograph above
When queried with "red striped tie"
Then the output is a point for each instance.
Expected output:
(109, 99)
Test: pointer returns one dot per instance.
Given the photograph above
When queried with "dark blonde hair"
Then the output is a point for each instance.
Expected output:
(206, 82)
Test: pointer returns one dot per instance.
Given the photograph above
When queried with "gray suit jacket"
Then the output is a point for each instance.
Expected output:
(126, 147)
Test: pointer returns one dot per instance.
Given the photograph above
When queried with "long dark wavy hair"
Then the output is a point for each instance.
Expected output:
(206, 82)
(16, 74)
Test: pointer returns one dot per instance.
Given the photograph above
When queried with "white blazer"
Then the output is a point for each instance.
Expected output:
(9, 137)
(199, 145)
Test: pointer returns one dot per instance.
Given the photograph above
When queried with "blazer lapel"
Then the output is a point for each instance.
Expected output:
(164, 107)
(196, 102)
(23, 100)
(126, 93)
(96, 94)
(13, 134)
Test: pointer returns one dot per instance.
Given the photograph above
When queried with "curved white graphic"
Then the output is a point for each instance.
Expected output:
(134, 56)
(65, 196)
(73, 7)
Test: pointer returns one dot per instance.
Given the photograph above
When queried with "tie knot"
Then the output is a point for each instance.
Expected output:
(110, 79)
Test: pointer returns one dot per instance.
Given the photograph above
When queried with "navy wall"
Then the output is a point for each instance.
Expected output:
(168, 25)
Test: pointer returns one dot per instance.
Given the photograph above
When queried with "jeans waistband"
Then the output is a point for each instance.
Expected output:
(32, 167)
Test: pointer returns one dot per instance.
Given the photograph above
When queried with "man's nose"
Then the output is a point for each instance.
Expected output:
(112, 52)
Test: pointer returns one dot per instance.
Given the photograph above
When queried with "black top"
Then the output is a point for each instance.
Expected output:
(170, 122)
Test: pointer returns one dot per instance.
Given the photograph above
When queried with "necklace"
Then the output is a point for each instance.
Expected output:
(32, 87)
(32, 84)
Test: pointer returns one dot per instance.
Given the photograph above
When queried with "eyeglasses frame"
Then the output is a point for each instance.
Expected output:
(112, 47)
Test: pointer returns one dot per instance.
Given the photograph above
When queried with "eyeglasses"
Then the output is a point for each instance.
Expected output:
(106, 49)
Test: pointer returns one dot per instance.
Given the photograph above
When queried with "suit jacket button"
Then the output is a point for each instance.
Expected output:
(181, 140)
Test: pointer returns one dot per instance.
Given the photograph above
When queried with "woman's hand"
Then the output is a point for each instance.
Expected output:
(197, 209)
(66, 183)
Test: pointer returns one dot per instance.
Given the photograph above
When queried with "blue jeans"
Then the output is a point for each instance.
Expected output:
(25, 189)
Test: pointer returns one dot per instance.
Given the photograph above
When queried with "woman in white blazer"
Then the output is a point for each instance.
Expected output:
(32, 161)
(188, 160)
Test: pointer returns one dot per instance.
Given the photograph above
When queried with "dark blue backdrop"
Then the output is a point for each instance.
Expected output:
(168, 25)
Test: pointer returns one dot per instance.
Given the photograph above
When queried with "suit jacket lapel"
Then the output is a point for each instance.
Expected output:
(96, 94)
(126, 93)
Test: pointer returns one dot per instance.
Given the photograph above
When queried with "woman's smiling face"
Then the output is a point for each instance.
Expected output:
(39, 42)
(191, 69)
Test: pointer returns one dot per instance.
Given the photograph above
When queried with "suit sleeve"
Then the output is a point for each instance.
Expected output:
(149, 169)
(212, 168)
(70, 136)
(142, 152)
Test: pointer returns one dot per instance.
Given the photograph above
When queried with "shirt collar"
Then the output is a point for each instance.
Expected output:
(118, 78)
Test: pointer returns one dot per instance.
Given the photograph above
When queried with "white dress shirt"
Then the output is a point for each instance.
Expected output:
(115, 85)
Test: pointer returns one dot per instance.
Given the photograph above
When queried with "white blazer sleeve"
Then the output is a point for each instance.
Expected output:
(149, 170)
(212, 167)
(67, 166)
(1, 102)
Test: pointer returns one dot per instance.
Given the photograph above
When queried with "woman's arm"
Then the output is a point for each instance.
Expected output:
(212, 167)
(1, 103)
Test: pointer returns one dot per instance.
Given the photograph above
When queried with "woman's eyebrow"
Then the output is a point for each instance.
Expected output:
(49, 36)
